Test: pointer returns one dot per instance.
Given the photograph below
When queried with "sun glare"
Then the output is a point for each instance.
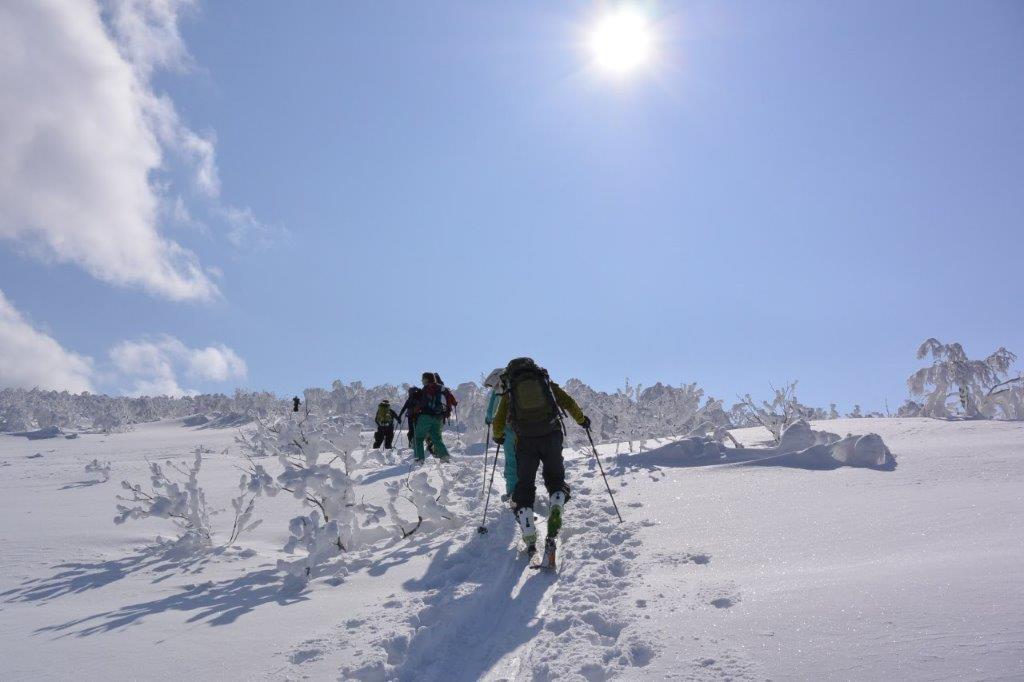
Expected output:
(621, 41)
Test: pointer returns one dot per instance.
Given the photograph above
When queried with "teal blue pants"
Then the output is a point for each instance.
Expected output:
(428, 425)
(510, 461)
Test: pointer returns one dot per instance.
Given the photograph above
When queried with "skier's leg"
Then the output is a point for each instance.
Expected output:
(554, 466)
(510, 463)
(378, 437)
(554, 481)
(440, 450)
(420, 433)
(527, 461)
(389, 437)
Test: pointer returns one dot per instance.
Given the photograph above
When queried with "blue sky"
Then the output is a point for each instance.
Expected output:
(788, 191)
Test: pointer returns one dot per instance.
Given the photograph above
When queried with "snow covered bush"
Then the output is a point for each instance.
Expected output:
(430, 507)
(338, 521)
(955, 384)
(98, 468)
(783, 410)
(182, 502)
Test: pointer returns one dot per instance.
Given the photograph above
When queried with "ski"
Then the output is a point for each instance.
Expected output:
(547, 562)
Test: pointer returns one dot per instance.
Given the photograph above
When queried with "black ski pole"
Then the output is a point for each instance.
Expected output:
(598, 458)
(483, 522)
(487, 446)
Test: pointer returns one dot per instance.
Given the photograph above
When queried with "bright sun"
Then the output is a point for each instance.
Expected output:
(621, 41)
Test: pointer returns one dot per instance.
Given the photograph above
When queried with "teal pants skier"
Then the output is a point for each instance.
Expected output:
(428, 425)
(509, 446)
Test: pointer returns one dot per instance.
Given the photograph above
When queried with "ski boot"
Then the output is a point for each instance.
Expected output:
(524, 516)
(555, 505)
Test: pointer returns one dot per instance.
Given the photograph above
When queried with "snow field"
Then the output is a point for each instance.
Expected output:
(743, 567)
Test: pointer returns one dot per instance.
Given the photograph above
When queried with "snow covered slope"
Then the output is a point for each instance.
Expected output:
(749, 570)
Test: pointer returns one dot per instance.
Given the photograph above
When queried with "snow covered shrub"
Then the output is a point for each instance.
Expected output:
(101, 469)
(425, 498)
(777, 415)
(976, 386)
(184, 503)
(338, 522)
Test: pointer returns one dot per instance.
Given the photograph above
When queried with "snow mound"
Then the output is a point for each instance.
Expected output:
(800, 447)
(225, 420)
(195, 420)
(39, 434)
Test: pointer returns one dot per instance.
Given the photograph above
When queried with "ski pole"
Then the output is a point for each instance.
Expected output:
(487, 446)
(483, 522)
(599, 466)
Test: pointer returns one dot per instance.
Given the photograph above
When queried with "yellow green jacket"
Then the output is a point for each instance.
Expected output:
(563, 399)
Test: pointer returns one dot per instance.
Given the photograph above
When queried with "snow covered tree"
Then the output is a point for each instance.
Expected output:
(970, 383)
(783, 409)
(182, 502)
(337, 522)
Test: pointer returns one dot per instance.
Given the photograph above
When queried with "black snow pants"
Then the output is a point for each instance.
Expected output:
(531, 453)
(385, 434)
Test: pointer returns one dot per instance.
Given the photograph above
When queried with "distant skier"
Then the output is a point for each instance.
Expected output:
(532, 407)
(493, 381)
(385, 420)
(295, 404)
(434, 404)
(409, 411)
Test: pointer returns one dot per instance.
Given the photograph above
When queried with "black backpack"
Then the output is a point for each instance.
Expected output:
(431, 400)
(533, 410)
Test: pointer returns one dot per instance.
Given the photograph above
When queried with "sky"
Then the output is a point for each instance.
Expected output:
(200, 195)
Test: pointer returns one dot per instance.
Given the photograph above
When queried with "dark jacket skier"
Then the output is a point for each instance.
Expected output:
(385, 420)
(409, 411)
(532, 407)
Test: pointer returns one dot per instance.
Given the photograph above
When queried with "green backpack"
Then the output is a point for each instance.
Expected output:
(384, 415)
(532, 408)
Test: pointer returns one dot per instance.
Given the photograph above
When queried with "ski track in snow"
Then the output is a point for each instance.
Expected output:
(478, 612)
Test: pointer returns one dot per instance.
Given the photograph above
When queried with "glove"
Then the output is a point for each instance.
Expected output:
(585, 423)
(500, 440)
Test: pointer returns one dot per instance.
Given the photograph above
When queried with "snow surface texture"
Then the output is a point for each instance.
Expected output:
(752, 563)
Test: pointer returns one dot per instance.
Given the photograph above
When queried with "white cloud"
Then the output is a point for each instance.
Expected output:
(77, 146)
(153, 366)
(31, 358)
(86, 143)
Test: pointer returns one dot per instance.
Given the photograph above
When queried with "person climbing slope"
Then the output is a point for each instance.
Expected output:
(434, 405)
(493, 381)
(385, 420)
(409, 410)
(531, 406)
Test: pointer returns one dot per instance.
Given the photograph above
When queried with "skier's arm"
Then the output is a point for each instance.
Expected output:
(566, 402)
(397, 417)
(500, 415)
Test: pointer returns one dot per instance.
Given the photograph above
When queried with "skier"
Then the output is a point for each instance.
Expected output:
(532, 406)
(385, 420)
(434, 404)
(409, 410)
(493, 381)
